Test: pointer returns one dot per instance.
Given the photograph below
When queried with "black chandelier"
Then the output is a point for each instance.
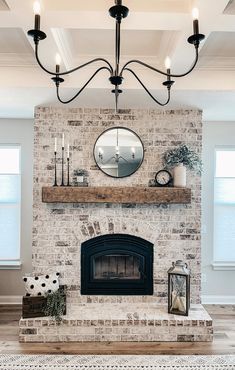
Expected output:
(118, 12)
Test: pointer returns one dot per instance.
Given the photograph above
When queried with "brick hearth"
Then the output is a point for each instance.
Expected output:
(120, 322)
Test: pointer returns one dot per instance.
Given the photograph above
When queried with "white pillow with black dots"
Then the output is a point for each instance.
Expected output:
(41, 285)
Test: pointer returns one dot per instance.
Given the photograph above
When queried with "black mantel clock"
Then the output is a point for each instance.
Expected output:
(163, 178)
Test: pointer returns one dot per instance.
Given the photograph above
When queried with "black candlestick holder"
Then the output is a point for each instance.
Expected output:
(55, 174)
(68, 184)
(62, 174)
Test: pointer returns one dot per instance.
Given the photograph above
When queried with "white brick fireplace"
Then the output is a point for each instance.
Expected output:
(60, 229)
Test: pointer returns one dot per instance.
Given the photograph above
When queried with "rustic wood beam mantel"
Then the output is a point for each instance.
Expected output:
(101, 194)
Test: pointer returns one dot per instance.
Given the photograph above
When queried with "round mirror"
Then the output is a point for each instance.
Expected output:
(118, 152)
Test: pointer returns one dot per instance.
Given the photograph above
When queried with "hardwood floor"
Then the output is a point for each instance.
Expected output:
(224, 338)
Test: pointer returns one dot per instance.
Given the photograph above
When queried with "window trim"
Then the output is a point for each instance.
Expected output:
(10, 264)
(14, 264)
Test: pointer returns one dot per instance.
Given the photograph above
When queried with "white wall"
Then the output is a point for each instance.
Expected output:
(17, 131)
(217, 286)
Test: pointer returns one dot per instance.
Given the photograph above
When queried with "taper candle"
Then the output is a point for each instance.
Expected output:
(68, 151)
(168, 67)
(57, 62)
(63, 140)
(195, 15)
(55, 144)
(37, 10)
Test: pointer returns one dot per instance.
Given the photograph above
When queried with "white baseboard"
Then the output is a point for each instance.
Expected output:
(218, 299)
(10, 299)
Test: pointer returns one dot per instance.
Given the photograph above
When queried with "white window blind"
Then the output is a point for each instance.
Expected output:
(224, 207)
(10, 199)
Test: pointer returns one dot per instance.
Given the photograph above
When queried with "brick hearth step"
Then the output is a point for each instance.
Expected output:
(120, 322)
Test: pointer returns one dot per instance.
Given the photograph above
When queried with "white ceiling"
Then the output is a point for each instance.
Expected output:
(181, 6)
(82, 30)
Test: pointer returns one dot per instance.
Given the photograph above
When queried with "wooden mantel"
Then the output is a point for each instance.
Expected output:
(101, 194)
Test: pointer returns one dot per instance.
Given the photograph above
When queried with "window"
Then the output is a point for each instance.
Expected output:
(224, 208)
(10, 198)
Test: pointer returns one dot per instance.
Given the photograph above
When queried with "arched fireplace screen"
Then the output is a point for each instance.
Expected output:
(117, 264)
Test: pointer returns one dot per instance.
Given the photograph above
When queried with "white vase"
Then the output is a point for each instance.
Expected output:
(80, 179)
(180, 176)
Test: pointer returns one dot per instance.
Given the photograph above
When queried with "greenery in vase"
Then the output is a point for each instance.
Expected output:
(185, 155)
(80, 172)
(55, 304)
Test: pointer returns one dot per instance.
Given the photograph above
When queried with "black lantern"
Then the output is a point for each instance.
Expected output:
(179, 288)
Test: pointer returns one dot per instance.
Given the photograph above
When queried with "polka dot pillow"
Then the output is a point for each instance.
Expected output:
(41, 285)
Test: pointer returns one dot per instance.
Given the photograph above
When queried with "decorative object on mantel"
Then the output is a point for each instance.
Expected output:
(55, 160)
(62, 163)
(152, 183)
(118, 152)
(118, 12)
(180, 158)
(118, 195)
(180, 178)
(80, 177)
(68, 184)
(179, 288)
(163, 178)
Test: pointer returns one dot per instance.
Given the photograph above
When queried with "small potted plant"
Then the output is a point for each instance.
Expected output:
(80, 177)
(180, 158)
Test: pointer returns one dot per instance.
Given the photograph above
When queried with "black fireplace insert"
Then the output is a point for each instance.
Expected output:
(117, 264)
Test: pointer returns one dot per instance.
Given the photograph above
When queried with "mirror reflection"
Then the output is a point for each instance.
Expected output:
(118, 152)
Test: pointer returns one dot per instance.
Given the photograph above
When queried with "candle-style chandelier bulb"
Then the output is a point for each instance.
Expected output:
(37, 8)
(167, 63)
(133, 152)
(58, 59)
(195, 13)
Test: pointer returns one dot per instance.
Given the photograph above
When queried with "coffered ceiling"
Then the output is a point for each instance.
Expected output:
(82, 30)
(3, 5)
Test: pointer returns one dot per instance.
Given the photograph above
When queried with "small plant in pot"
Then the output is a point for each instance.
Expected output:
(80, 177)
(179, 159)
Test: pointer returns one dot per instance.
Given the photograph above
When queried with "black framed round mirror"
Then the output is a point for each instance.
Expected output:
(118, 152)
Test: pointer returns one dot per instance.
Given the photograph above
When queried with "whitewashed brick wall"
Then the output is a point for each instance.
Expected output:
(59, 229)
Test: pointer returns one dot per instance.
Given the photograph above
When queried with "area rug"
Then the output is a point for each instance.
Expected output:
(114, 362)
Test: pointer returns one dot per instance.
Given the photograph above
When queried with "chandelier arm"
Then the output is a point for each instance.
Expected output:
(109, 160)
(74, 69)
(148, 92)
(121, 157)
(82, 88)
(158, 70)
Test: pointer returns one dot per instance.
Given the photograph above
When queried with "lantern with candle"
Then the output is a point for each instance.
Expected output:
(179, 288)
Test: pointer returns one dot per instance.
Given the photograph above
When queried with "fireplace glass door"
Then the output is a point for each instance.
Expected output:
(117, 264)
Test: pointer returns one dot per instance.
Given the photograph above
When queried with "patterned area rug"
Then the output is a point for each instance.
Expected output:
(114, 362)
